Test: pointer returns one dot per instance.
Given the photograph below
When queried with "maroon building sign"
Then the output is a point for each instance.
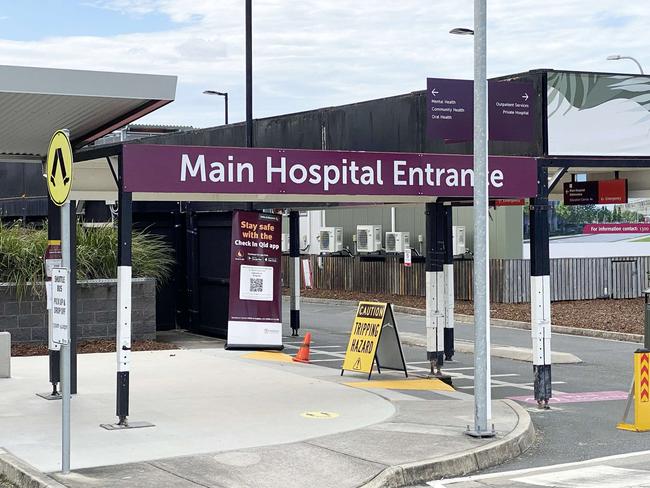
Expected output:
(256, 171)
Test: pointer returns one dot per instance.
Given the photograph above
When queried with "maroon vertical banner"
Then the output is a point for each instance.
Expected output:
(255, 313)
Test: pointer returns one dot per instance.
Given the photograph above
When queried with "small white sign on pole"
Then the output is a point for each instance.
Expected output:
(60, 306)
(407, 256)
(307, 273)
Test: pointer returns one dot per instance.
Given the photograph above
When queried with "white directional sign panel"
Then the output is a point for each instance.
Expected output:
(60, 306)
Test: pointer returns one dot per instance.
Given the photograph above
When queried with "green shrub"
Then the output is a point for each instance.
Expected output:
(22, 250)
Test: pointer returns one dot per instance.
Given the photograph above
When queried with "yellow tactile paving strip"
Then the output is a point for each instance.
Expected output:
(405, 384)
(269, 356)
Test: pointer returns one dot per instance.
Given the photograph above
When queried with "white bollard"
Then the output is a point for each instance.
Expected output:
(5, 355)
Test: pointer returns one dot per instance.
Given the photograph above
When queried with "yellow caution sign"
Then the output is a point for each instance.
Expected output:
(367, 343)
(641, 393)
(59, 167)
(364, 337)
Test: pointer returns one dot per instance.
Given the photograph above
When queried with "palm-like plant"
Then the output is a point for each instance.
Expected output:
(22, 250)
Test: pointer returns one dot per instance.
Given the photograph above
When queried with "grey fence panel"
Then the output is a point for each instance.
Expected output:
(571, 278)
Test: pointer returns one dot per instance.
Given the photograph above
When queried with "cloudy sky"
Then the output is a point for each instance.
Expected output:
(314, 53)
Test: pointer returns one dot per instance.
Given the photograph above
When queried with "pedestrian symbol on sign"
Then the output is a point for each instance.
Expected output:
(59, 168)
(59, 162)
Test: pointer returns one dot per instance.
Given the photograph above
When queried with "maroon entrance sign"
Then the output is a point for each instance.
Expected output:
(256, 171)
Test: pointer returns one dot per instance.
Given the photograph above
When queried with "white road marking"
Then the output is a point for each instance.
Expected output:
(553, 468)
(453, 372)
(591, 477)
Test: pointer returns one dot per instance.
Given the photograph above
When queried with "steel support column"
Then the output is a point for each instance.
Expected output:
(435, 284)
(294, 254)
(540, 291)
(123, 336)
(73, 297)
(448, 271)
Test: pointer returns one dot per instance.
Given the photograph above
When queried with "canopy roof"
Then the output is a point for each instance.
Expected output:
(37, 101)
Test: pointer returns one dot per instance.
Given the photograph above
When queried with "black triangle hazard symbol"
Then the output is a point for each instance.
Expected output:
(357, 364)
(59, 161)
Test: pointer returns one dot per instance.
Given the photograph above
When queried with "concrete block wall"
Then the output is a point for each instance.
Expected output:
(26, 318)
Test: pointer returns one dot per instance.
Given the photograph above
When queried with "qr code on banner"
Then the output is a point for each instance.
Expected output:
(256, 285)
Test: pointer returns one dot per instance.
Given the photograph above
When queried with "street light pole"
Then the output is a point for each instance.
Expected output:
(249, 74)
(225, 97)
(482, 393)
(616, 57)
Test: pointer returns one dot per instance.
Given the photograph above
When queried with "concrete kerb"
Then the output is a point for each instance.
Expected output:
(24, 475)
(514, 324)
(513, 444)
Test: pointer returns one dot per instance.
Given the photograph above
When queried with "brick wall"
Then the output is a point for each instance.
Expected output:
(26, 319)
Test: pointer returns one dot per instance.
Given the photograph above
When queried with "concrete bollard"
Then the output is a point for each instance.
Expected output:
(5, 355)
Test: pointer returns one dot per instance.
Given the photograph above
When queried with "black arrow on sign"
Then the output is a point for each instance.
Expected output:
(59, 161)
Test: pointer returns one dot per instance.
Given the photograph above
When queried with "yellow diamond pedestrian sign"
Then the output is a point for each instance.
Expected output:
(59, 168)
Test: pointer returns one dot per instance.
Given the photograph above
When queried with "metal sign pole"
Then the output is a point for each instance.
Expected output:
(65, 348)
(482, 381)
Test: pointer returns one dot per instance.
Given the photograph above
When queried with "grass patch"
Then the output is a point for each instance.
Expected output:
(642, 239)
(5, 483)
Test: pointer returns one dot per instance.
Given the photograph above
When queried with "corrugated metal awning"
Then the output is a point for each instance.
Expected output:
(37, 101)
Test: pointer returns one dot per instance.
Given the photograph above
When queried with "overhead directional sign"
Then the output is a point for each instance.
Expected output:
(450, 110)
(373, 338)
(59, 168)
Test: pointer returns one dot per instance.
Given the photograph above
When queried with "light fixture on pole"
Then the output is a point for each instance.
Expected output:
(462, 31)
(616, 57)
(482, 377)
(225, 97)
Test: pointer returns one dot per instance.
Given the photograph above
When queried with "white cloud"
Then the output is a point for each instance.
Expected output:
(316, 53)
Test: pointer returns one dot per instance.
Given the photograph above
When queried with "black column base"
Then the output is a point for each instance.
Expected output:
(542, 385)
(122, 405)
(294, 320)
(436, 357)
(449, 343)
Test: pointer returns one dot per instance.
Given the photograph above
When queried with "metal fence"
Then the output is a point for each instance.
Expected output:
(571, 278)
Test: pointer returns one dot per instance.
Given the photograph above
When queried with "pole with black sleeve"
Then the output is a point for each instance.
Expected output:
(53, 258)
(435, 285)
(294, 255)
(540, 290)
(123, 336)
(448, 271)
(123, 332)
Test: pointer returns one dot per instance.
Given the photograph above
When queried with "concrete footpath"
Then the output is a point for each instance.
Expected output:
(236, 419)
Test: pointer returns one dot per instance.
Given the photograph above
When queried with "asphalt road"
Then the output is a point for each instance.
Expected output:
(569, 432)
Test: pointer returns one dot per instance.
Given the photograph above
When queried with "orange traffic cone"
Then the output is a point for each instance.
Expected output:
(303, 352)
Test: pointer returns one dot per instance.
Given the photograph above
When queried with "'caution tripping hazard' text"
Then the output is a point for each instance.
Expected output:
(364, 337)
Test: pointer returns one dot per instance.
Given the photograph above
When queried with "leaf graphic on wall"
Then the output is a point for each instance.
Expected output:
(589, 90)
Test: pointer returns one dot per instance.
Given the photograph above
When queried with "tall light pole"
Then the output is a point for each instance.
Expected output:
(225, 98)
(249, 73)
(482, 381)
(616, 57)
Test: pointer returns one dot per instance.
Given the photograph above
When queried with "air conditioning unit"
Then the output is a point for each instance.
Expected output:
(285, 242)
(368, 238)
(397, 241)
(331, 239)
(458, 235)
